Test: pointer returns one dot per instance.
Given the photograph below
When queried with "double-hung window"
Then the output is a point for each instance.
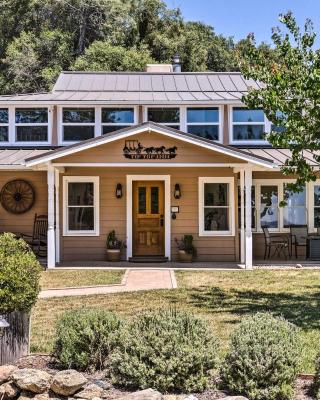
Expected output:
(316, 206)
(247, 125)
(31, 124)
(216, 211)
(4, 125)
(116, 118)
(169, 116)
(78, 123)
(203, 122)
(81, 206)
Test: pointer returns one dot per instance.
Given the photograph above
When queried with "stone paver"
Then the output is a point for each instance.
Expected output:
(133, 280)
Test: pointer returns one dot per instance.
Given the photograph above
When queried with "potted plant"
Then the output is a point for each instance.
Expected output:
(186, 249)
(114, 246)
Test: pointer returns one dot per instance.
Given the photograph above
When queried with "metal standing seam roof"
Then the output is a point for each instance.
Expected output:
(279, 156)
(17, 157)
(143, 88)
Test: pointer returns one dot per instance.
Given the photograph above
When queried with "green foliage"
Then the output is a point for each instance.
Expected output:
(186, 244)
(85, 338)
(102, 56)
(291, 96)
(165, 350)
(263, 359)
(19, 275)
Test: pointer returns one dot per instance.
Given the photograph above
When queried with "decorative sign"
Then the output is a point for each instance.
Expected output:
(134, 150)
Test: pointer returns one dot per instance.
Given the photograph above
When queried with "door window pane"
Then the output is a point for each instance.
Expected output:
(142, 200)
(154, 200)
(31, 115)
(295, 213)
(164, 115)
(118, 115)
(78, 115)
(269, 214)
(73, 133)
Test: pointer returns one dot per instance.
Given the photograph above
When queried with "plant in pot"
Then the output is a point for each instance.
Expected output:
(186, 249)
(114, 246)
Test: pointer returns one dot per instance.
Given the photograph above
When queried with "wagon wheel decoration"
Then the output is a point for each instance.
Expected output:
(17, 196)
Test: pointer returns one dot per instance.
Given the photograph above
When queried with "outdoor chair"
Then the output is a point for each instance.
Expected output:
(298, 237)
(279, 243)
(38, 240)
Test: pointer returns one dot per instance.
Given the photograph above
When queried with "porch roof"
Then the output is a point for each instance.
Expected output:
(15, 158)
(151, 127)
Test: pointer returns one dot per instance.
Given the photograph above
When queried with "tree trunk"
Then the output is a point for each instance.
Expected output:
(15, 341)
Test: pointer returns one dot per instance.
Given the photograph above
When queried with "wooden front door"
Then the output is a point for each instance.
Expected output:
(148, 218)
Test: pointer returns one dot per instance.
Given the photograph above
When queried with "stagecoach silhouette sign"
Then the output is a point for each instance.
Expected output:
(134, 150)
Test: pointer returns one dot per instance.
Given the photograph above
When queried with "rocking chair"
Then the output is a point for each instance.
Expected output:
(38, 240)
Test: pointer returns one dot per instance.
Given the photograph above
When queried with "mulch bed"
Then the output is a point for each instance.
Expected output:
(303, 386)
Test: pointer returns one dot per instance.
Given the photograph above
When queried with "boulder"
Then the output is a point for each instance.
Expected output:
(32, 380)
(6, 371)
(8, 390)
(147, 394)
(233, 398)
(25, 395)
(89, 392)
(68, 382)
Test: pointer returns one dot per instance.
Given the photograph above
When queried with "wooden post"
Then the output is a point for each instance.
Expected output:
(242, 236)
(15, 341)
(51, 262)
(248, 230)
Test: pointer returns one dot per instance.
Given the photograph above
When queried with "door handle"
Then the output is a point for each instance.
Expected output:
(161, 220)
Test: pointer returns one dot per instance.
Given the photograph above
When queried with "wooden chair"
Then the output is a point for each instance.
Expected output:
(298, 237)
(279, 243)
(38, 240)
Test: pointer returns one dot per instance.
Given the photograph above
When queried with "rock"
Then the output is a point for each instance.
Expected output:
(32, 380)
(68, 382)
(233, 398)
(103, 384)
(42, 396)
(8, 390)
(190, 397)
(6, 371)
(89, 392)
(147, 394)
(25, 395)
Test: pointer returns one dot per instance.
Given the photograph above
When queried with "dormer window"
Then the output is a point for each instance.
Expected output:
(169, 116)
(31, 125)
(247, 125)
(203, 122)
(116, 118)
(78, 124)
(4, 125)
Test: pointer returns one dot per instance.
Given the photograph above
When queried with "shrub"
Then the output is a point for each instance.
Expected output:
(85, 338)
(165, 350)
(317, 377)
(19, 275)
(263, 359)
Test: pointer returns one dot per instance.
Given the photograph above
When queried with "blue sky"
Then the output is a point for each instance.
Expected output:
(239, 17)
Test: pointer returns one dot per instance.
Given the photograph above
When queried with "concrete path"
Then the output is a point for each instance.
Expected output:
(132, 281)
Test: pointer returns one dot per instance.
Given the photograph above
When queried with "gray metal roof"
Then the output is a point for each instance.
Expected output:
(143, 88)
(279, 156)
(17, 157)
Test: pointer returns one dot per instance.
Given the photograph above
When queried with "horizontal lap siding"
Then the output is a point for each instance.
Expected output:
(23, 223)
(113, 214)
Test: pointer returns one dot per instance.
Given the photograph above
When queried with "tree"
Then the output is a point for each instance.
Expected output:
(290, 95)
(102, 56)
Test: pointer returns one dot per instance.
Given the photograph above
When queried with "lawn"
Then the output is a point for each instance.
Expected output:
(81, 277)
(220, 297)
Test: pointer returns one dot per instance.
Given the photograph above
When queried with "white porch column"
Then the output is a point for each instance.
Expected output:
(57, 211)
(242, 236)
(248, 230)
(51, 261)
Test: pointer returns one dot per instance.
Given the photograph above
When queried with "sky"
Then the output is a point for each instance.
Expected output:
(237, 18)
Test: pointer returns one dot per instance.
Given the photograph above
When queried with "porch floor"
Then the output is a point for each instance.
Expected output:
(189, 266)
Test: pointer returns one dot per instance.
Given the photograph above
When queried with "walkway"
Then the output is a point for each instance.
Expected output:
(132, 281)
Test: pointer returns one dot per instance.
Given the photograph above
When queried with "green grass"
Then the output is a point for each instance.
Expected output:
(220, 297)
(81, 277)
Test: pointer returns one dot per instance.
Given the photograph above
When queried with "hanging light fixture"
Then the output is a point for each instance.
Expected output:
(119, 191)
(4, 324)
(177, 191)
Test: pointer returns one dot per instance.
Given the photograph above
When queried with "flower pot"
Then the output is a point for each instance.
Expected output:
(113, 255)
(183, 256)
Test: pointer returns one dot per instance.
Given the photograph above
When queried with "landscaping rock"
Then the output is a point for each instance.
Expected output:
(67, 383)
(89, 392)
(25, 395)
(8, 390)
(103, 384)
(233, 398)
(32, 380)
(147, 394)
(6, 371)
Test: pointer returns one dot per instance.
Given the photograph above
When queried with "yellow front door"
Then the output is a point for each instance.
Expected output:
(148, 218)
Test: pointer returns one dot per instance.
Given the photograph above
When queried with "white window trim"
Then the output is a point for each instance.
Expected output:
(135, 117)
(95, 181)
(230, 181)
(7, 125)
(280, 183)
(13, 125)
(266, 124)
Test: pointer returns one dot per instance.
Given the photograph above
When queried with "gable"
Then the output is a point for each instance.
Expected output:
(148, 148)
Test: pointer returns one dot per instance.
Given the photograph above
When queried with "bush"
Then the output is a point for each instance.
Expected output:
(19, 275)
(85, 338)
(317, 377)
(263, 359)
(165, 350)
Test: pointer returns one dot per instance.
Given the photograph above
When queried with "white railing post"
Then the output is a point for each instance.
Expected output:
(51, 262)
(57, 193)
(242, 216)
(248, 230)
